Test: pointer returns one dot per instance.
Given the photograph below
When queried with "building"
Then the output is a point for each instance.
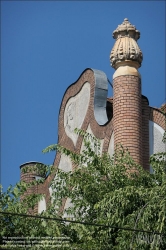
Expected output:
(125, 118)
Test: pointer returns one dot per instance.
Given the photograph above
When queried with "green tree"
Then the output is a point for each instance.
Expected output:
(109, 196)
(116, 192)
(20, 232)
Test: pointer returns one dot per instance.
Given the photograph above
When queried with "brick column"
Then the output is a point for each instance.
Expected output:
(127, 114)
(126, 57)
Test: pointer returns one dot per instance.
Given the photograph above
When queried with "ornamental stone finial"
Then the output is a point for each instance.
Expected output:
(126, 50)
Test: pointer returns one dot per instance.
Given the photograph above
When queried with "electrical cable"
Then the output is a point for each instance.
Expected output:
(84, 223)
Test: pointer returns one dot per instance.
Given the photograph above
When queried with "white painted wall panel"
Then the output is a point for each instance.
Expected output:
(155, 139)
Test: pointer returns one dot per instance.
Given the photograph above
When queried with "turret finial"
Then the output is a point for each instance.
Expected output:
(126, 48)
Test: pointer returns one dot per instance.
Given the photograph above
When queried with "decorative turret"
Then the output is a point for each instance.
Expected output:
(126, 49)
(126, 57)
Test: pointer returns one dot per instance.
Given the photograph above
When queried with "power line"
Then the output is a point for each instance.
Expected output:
(110, 82)
(84, 223)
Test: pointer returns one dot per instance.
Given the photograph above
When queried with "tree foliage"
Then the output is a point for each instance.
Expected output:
(20, 232)
(114, 194)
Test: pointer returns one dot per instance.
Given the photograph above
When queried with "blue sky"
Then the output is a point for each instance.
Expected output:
(45, 46)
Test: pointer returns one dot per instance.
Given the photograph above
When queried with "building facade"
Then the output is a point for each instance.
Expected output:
(125, 118)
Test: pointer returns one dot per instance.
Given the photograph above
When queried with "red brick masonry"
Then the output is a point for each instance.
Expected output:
(128, 112)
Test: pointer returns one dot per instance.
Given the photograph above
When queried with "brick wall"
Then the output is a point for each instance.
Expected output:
(157, 116)
(128, 112)
(145, 132)
(99, 131)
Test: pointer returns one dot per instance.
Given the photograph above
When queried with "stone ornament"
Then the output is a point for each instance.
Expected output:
(126, 50)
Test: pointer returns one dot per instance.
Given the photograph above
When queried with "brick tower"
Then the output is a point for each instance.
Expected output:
(126, 58)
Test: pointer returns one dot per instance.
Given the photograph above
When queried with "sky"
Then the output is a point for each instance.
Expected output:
(45, 46)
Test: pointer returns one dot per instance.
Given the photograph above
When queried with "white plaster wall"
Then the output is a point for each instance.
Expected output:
(65, 164)
(111, 145)
(89, 130)
(155, 139)
(41, 205)
(75, 111)
(50, 191)
(67, 205)
(155, 136)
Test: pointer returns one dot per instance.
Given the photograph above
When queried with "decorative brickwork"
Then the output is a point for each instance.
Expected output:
(157, 116)
(99, 131)
(145, 132)
(163, 108)
(127, 113)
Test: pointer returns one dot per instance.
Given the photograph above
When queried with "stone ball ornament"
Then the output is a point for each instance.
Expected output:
(126, 50)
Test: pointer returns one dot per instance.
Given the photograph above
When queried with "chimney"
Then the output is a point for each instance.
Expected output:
(33, 171)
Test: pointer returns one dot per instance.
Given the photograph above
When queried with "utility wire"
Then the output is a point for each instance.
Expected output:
(110, 82)
(84, 223)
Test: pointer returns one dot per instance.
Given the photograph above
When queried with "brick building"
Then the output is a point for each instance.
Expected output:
(125, 118)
